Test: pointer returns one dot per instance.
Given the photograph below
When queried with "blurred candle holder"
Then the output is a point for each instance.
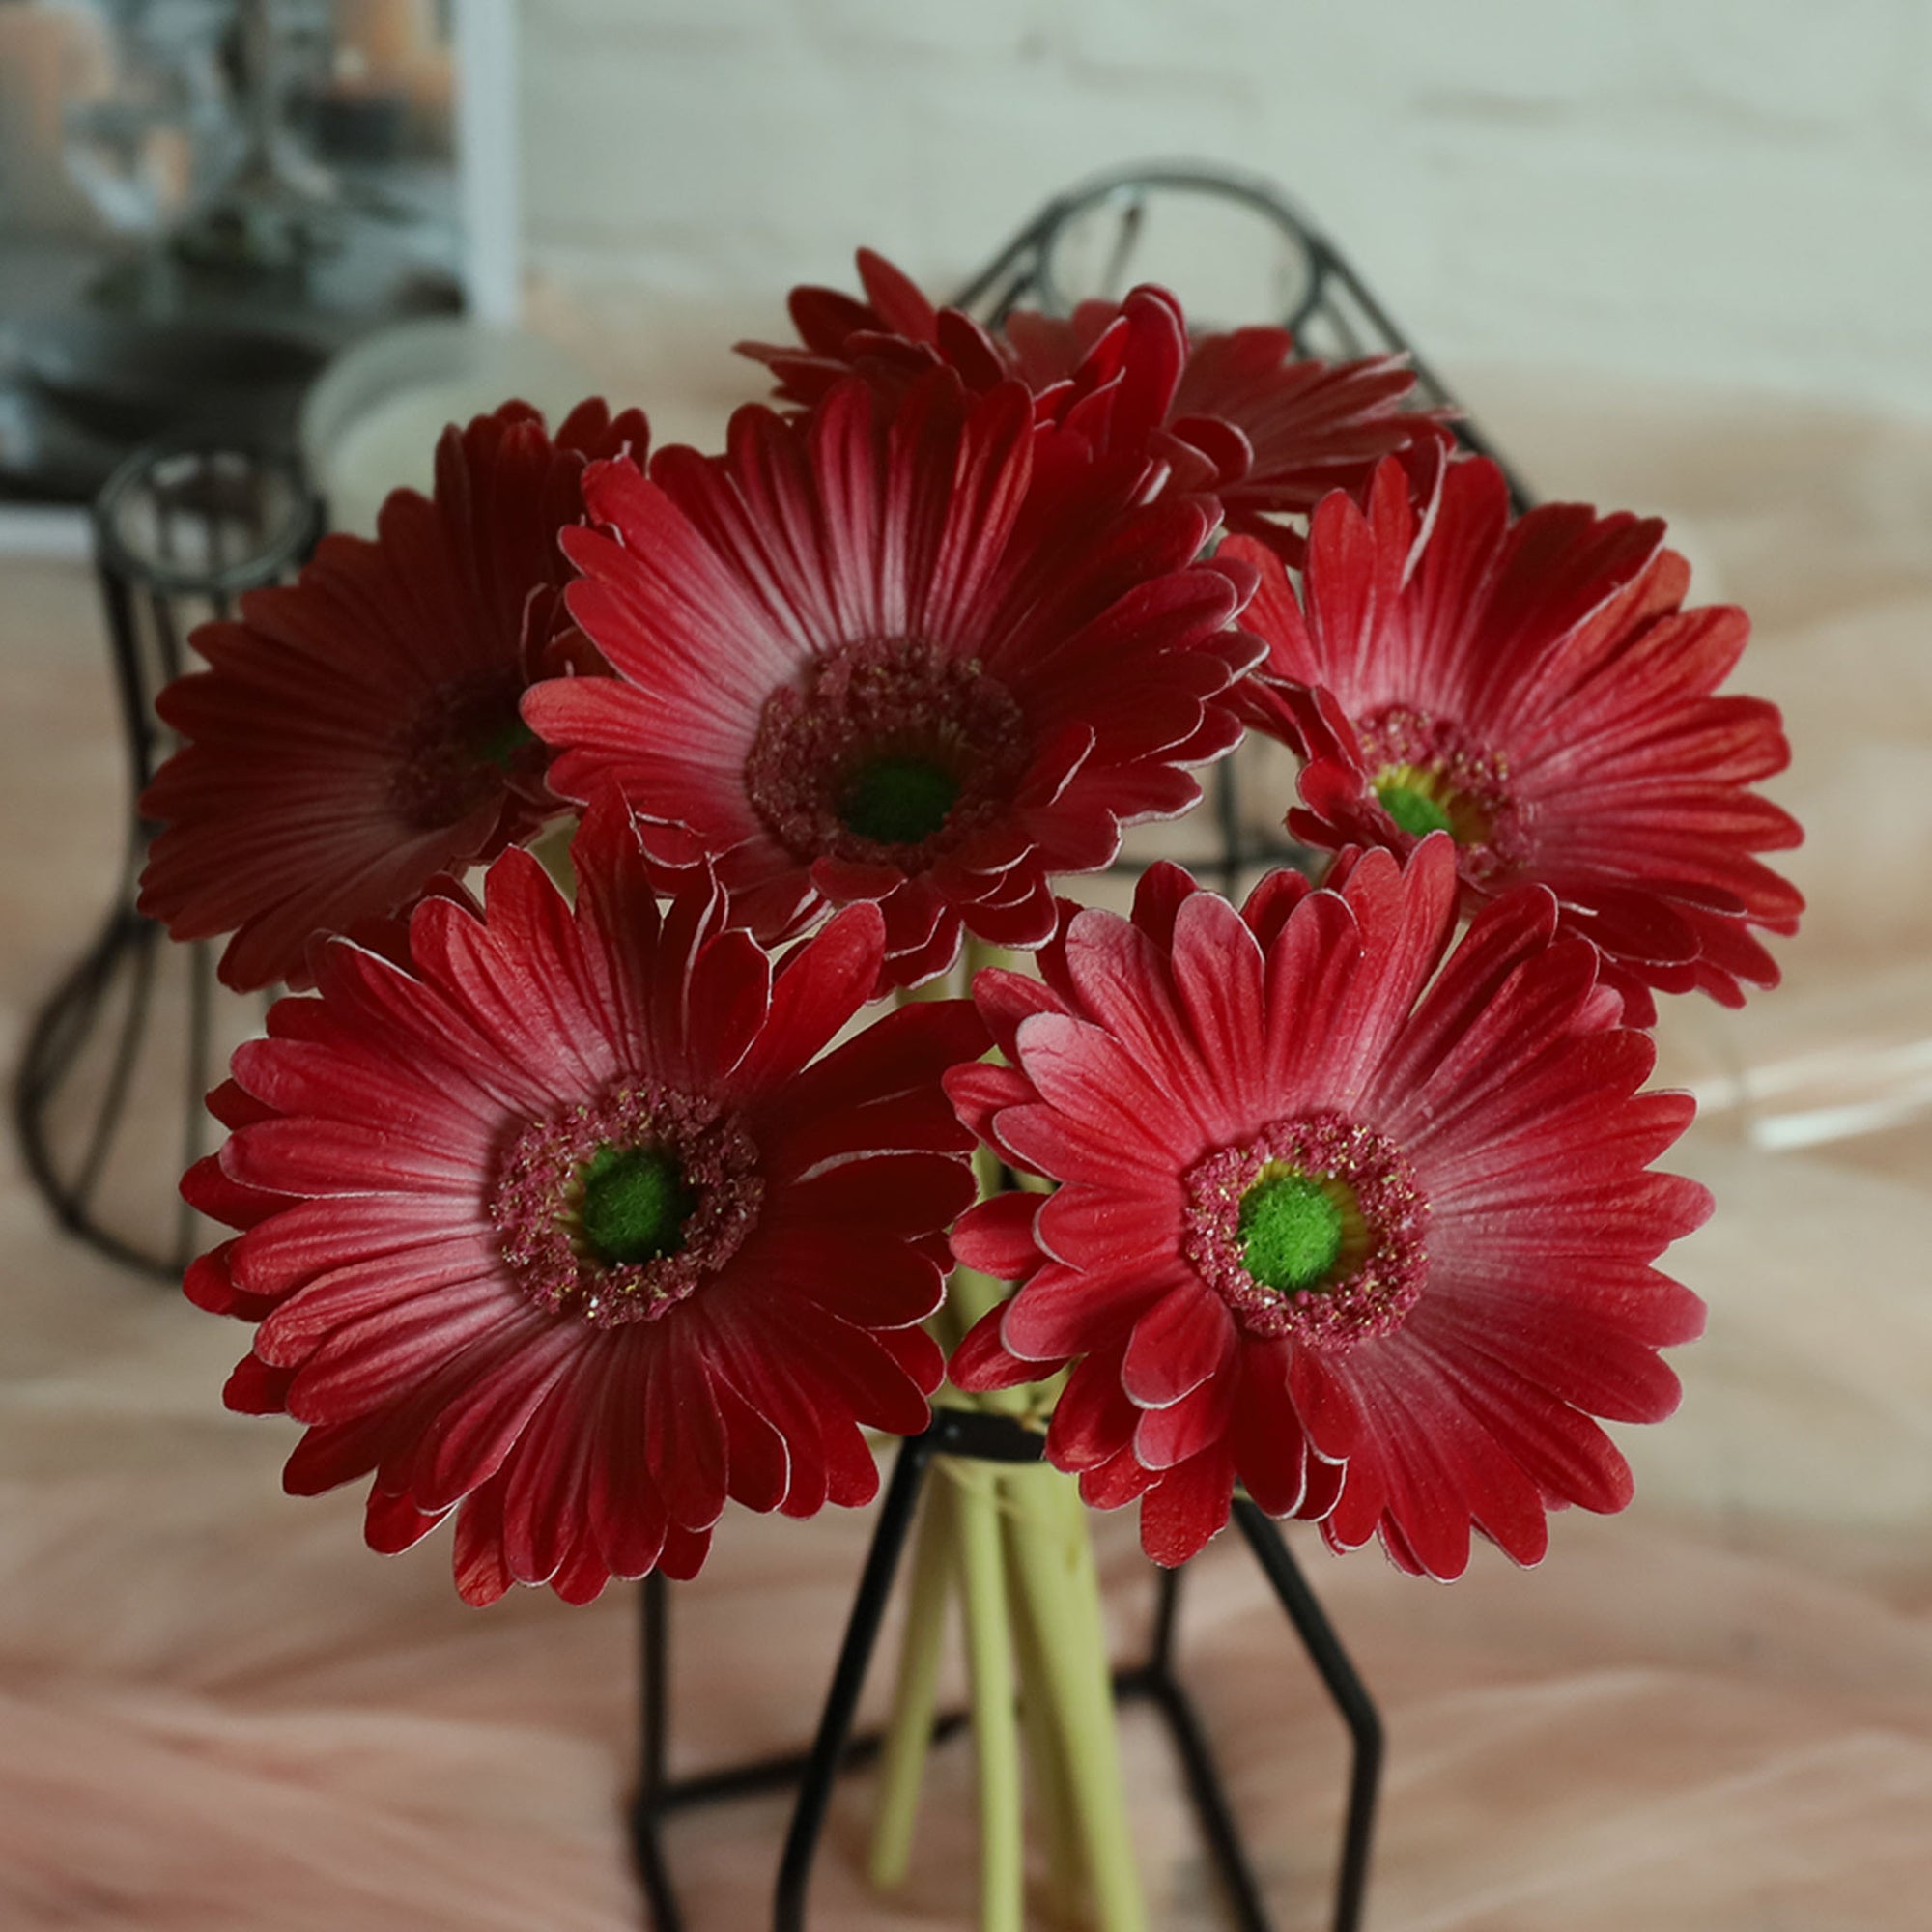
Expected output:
(108, 1096)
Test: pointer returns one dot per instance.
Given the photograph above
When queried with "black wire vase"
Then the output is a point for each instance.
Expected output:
(981, 1437)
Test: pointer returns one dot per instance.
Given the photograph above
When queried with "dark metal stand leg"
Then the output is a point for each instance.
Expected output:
(1210, 1798)
(1351, 1697)
(1166, 1618)
(117, 970)
(1155, 1681)
(811, 1773)
(1211, 1810)
(653, 1755)
(1227, 824)
(862, 1634)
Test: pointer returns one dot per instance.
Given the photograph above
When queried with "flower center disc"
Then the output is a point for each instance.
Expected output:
(615, 1208)
(503, 745)
(1428, 778)
(1313, 1229)
(1292, 1227)
(1411, 804)
(898, 801)
(635, 1205)
(885, 751)
(1426, 798)
(467, 746)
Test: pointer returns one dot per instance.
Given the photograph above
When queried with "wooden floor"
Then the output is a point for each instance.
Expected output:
(1714, 1714)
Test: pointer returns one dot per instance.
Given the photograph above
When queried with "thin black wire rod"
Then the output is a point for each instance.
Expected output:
(848, 1679)
(654, 1740)
(1345, 1686)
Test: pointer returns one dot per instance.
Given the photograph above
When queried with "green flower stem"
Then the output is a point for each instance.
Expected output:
(909, 1736)
(1053, 1568)
(995, 1727)
(941, 1554)
(1016, 1541)
(941, 988)
(1051, 1786)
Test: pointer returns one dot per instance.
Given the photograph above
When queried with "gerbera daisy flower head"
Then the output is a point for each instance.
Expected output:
(891, 336)
(1117, 391)
(1279, 430)
(355, 733)
(1363, 1223)
(1238, 412)
(918, 651)
(573, 1229)
(1536, 688)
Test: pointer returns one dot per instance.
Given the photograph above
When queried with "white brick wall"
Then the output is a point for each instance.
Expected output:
(1736, 191)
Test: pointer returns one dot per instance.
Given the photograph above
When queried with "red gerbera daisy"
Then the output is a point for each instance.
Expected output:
(1536, 688)
(559, 1225)
(1375, 1241)
(893, 334)
(1271, 432)
(357, 733)
(1118, 390)
(913, 651)
(1305, 426)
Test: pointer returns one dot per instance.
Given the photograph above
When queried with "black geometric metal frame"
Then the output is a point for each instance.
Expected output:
(983, 1436)
(218, 521)
(118, 968)
(1332, 311)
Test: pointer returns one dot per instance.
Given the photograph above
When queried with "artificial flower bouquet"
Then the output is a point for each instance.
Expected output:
(655, 1174)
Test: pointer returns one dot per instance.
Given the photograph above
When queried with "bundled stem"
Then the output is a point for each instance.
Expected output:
(1050, 1801)
(913, 1701)
(1014, 1540)
(1057, 1592)
(995, 1729)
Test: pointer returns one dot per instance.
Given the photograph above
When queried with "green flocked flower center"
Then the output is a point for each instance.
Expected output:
(1414, 811)
(635, 1205)
(1292, 1228)
(1430, 797)
(898, 801)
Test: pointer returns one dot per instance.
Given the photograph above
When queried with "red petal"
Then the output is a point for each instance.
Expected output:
(392, 1525)
(1166, 1436)
(818, 986)
(980, 1362)
(996, 1236)
(1187, 1507)
(1178, 1344)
